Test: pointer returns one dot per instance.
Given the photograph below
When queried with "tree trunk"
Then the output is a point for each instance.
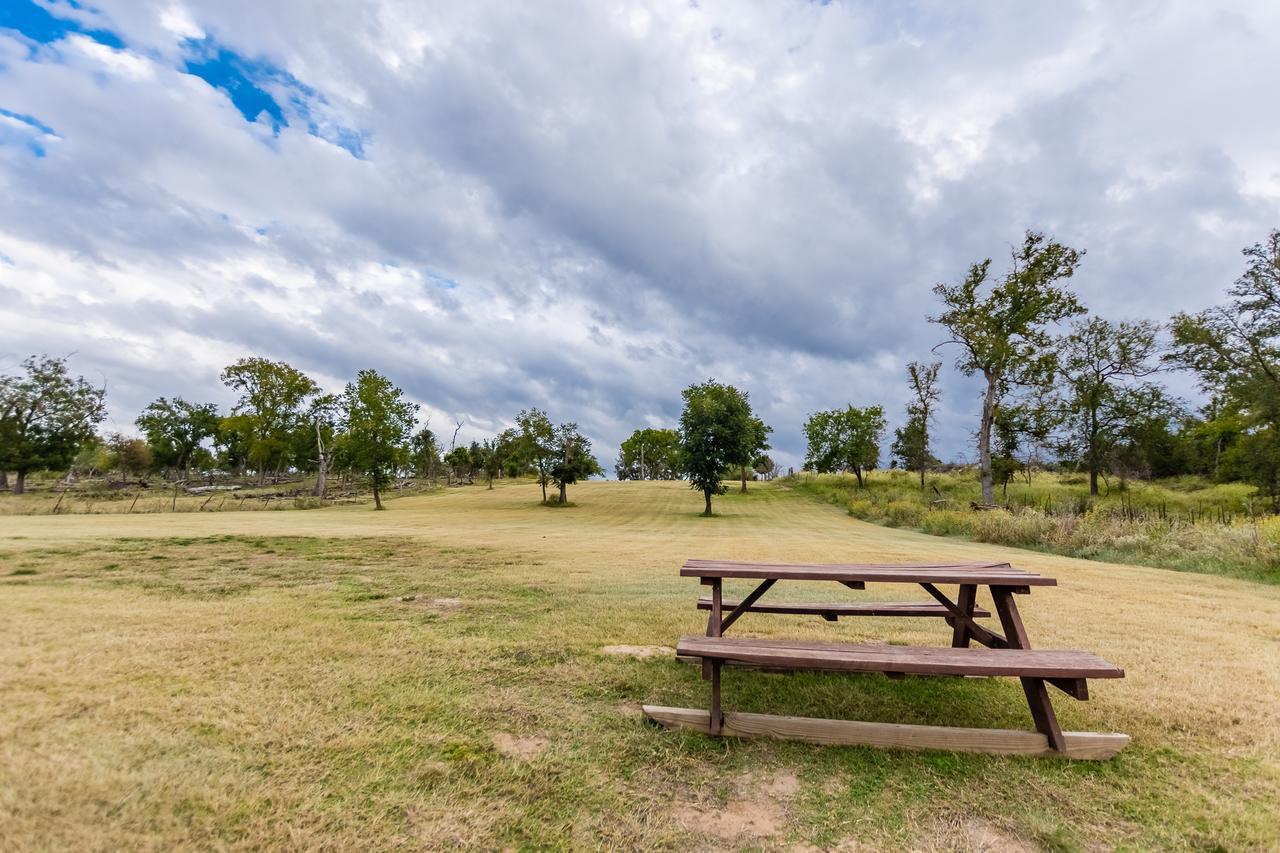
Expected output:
(542, 481)
(377, 498)
(490, 482)
(707, 494)
(4, 479)
(564, 497)
(322, 463)
(20, 482)
(922, 476)
(1095, 462)
(857, 472)
(984, 439)
(744, 479)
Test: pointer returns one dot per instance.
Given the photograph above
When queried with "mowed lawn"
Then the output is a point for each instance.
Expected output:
(433, 676)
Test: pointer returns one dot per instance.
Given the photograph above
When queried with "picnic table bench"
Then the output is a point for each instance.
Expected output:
(998, 654)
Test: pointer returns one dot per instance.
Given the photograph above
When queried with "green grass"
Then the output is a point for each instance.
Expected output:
(1184, 524)
(340, 678)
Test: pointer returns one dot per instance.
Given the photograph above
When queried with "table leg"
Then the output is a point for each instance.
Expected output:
(713, 621)
(965, 601)
(716, 717)
(1034, 688)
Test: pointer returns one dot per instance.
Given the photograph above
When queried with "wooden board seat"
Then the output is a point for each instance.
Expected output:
(845, 657)
(833, 610)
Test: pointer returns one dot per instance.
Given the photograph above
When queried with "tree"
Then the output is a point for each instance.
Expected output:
(755, 443)
(424, 454)
(317, 434)
(491, 460)
(649, 454)
(573, 459)
(270, 408)
(460, 463)
(45, 415)
(911, 441)
(843, 440)
(175, 429)
(131, 456)
(715, 426)
(1099, 364)
(376, 424)
(1004, 335)
(537, 443)
(1235, 351)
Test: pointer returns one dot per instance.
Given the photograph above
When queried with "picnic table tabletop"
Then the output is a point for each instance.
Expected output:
(980, 573)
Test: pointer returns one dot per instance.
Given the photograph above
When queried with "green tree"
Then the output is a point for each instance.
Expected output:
(1004, 334)
(129, 455)
(424, 454)
(45, 415)
(649, 454)
(270, 409)
(175, 429)
(911, 441)
(572, 459)
(491, 460)
(716, 425)
(376, 424)
(537, 444)
(460, 464)
(755, 443)
(1100, 364)
(1234, 349)
(843, 440)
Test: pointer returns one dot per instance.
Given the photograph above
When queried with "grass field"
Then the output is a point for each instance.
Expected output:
(1186, 523)
(434, 676)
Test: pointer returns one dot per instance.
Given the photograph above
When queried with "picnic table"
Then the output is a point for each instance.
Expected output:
(997, 654)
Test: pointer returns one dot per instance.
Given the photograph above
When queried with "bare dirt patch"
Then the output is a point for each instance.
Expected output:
(519, 748)
(986, 837)
(639, 651)
(757, 811)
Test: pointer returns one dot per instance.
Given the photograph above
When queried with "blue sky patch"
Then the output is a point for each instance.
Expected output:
(38, 23)
(24, 130)
(257, 86)
(226, 70)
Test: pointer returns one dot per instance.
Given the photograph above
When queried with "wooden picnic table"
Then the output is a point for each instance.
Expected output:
(1006, 654)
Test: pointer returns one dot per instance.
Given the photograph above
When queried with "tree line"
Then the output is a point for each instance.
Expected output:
(1084, 397)
(281, 422)
(1081, 396)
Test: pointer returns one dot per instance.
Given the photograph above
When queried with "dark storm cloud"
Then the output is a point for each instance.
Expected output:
(590, 207)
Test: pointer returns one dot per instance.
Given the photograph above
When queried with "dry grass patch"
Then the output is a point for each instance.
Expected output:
(260, 680)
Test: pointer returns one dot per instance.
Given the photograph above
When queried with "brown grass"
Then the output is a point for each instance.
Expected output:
(276, 680)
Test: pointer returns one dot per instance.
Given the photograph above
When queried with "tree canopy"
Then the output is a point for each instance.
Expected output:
(649, 454)
(175, 430)
(377, 421)
(1003, 330)
(845, 439)
(45, 415)
(269, 411)
(572, 459)
(717, 427)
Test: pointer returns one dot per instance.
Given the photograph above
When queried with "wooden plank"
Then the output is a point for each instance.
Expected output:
(1000, 575)
(803, 654)
(1078, 745)
(844, 608)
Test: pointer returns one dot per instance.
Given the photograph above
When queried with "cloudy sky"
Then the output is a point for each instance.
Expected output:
(587, 206)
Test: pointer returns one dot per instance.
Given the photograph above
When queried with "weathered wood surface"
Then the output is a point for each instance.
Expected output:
(987, 574)
(806, 654)
(1078, 745)
(844, 608)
